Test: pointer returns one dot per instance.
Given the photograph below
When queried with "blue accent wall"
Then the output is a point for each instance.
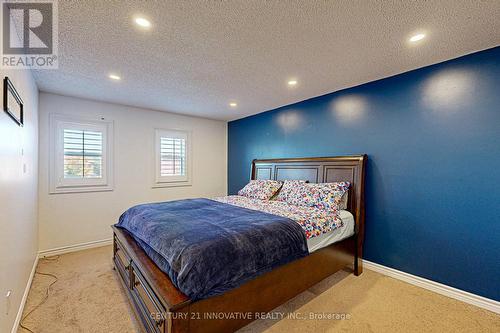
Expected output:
(432, 137)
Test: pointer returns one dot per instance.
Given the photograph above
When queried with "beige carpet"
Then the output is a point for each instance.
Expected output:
(88, 298)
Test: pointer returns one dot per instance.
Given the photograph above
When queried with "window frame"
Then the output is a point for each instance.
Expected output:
(171, 181)
(59, 184)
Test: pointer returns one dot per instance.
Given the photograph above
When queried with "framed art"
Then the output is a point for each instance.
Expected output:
(12, 102)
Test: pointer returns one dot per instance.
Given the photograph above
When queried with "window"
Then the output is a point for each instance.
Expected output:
(172, 150)
(81, 155)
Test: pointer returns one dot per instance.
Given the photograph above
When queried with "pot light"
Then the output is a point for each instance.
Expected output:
(417, 37)
(233, 104)
(292, 83)
(114, 77)
(142, 22)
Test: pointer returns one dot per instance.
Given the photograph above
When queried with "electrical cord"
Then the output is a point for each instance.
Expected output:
(47, 293)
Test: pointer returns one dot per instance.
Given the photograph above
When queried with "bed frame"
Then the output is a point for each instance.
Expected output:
(162, 308)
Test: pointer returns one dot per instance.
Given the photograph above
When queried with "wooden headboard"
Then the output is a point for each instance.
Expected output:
(322, 170)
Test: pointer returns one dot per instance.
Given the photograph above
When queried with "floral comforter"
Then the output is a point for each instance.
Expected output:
(314, 221)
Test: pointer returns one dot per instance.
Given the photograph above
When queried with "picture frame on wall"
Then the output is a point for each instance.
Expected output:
(12, 102)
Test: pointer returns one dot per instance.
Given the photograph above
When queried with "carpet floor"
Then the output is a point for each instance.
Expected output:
(89, 298)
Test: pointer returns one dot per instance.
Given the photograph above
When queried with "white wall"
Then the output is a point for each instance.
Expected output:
(18, 197)
(76, 218)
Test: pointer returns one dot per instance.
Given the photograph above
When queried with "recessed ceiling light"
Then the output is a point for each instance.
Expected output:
(114, 77)
(417, 37)
(233, 104)
(142, 22)
(292, 82)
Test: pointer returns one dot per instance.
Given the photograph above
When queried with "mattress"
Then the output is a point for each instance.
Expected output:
(336, 235)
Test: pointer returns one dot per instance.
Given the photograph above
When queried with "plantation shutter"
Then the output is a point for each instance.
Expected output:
(82, 153)
(172, 156)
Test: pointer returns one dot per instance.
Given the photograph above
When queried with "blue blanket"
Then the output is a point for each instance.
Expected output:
(207, 247)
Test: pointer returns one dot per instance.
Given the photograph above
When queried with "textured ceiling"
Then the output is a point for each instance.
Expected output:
(200, 55)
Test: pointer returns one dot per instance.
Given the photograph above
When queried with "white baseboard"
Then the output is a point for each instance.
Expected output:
(74, 248)
(436, 287)
(24, 298)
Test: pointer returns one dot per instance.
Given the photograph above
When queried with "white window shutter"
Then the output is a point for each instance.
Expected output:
(172, 158)
(82, 153)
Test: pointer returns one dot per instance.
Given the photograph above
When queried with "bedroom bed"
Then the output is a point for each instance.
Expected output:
(162, 307)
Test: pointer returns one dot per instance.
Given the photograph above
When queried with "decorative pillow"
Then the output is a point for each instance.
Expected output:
(342, 187)
(290, 191)
(332, 195)
(260, 189)
(328, 196)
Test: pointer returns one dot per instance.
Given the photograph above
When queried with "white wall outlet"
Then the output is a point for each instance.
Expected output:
(7, 301)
